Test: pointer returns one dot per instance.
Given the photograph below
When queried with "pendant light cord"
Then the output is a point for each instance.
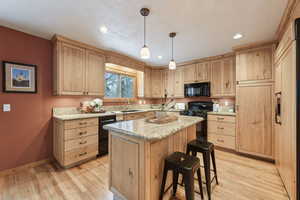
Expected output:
(172, 49)
(144, 31)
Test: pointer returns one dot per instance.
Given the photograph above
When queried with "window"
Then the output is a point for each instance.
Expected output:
(119, 85)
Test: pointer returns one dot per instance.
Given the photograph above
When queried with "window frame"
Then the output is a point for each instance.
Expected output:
(122, 99)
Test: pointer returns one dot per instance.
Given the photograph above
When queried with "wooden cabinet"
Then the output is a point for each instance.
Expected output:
(147, 82)
(137, 165)
(223, 77)
(221, 131)
(255, 119)
(170, 86)
(156, 84)
(75, 141)
(203, 72)
(285, 133)
(125, 165)
(255, 64)
(77, 71)
(189, 73)
(95, 68)
(165, 82)
(199, 72)
(178, 83)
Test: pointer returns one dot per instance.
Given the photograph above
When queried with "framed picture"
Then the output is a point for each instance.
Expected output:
(19, 78)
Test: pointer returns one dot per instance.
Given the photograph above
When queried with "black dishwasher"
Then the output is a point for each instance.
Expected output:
(103, 134)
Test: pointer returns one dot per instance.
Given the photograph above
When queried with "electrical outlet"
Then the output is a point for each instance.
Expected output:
(6, 107)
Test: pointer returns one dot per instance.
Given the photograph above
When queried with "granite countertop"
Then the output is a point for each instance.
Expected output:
(222, 113)
(108, 113)
(150, 131)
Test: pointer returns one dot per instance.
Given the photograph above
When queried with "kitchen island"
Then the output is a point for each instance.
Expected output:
(137, 150)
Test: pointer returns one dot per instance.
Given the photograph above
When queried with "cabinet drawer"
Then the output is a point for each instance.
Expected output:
(80, 132)
(79, 154)
(222, 140)
(81, 123)
(221, 118)
(81, 142)
(222, 128)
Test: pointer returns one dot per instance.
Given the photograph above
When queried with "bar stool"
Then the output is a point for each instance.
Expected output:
(186, 165)
(207, 149)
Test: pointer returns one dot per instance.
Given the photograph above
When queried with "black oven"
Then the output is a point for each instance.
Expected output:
(197, 90)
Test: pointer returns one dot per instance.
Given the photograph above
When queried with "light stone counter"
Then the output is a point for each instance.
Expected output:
(222, 113)
(150, 131)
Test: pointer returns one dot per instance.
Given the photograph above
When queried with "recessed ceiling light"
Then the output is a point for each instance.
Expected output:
(237, 36)
(103, 29)
(159, 57)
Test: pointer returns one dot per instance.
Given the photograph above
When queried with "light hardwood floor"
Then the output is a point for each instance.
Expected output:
(240, 179)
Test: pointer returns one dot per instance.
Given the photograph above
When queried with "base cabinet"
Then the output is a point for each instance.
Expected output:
(136, 166)
(75, 141)
(221, 131)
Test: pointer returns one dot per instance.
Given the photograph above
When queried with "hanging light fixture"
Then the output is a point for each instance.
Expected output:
(172, 64)
(145, 52)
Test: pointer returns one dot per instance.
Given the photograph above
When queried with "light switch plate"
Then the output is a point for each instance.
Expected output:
(6, 107)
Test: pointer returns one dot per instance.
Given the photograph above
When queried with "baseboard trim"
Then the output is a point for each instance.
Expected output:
(7, 172)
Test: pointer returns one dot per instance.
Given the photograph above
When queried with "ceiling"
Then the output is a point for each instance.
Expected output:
(204, 27)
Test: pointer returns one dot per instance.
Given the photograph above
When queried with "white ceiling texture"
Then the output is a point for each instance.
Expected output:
(204, 27)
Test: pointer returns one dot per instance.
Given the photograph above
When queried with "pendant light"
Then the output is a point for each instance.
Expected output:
(172, 64)
(145, 52)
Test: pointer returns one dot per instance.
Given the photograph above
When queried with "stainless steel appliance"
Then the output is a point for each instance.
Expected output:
(103, 134)
(200, 109)
(197, 90)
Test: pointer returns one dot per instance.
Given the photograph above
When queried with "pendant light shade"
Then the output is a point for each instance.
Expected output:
(145, 52)
(172, 64)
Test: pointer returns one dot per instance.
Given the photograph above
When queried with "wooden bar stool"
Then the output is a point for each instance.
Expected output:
(207, 149)
(186, 165)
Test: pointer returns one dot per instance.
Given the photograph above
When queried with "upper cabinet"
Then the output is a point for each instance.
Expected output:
(94, 73)
(223, 77)
(77, 71)
(178, 83)
(199, 72)
(255, 64)
(147, 82)
(156, 83)
(189, 73)
(203, 72)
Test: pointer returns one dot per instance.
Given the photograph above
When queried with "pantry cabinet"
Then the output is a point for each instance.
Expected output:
(156, 83)
(255, 64)
(223, 77)
(76, 70)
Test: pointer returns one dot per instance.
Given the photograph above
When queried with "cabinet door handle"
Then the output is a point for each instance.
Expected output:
(82, 123)
(221, 128)
(83, 133)
(220, 118)
(130, 172)
(83, 142)
(82, 154)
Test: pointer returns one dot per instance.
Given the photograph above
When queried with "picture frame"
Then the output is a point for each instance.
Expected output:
(19, 77)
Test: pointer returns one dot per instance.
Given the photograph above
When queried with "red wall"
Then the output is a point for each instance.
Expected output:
(26, 131)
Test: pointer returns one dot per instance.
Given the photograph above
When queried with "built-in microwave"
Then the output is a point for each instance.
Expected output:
(197, 90)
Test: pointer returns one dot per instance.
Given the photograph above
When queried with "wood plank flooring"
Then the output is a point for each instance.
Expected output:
(240, 178)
